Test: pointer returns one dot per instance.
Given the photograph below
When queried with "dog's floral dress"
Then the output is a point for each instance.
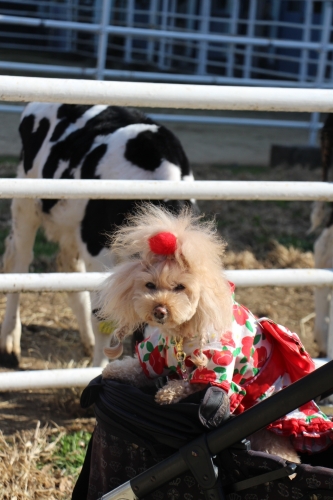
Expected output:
(252, 362)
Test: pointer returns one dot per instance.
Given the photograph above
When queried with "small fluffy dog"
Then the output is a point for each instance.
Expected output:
(170, 277)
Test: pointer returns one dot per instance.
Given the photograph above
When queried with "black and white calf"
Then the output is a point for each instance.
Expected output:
(81, 142)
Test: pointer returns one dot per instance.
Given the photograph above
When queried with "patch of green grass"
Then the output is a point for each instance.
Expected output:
(304, 244)
(282, 203)
(70, 452)
(9, 175)
(43, 247)
(256, 221)
(9, 159)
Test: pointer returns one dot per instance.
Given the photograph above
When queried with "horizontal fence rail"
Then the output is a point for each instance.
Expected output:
(47, 379)
(156, 76)
(155, 190)
(171, 95)
(77, 282)
(62, 379)
(51, 282)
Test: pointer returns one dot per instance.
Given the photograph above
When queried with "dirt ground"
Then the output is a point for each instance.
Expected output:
(259, 235)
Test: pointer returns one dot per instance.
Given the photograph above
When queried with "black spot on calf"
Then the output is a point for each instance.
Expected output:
(101, 218)
(32, 141)
(91, 161)
(67, 113)
(148, 149)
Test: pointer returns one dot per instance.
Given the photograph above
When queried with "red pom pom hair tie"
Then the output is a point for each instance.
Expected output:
(163, 243)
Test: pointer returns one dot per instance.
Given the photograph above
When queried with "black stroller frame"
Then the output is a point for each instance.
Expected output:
(197, 455)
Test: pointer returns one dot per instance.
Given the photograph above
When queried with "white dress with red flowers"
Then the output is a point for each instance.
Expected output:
(252, 362)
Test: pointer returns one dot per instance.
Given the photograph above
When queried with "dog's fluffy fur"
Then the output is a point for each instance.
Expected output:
(189, 287)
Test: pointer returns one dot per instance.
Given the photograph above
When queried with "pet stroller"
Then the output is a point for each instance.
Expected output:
(142, 450)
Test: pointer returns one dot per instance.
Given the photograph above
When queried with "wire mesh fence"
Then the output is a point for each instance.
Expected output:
(247, 42)
(249, 49)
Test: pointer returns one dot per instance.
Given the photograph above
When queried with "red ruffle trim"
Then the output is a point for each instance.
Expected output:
(235, 403)
(297, 427)
(309, 438)
(312, 445)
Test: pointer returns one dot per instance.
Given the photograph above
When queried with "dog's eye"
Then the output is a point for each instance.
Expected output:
(150, 285)
(179, 288)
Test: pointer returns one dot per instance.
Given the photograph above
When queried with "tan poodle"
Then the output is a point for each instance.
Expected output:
(170, 277)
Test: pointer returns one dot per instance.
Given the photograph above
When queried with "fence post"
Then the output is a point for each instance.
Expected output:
(129, 22)
(169, 50)
(330, 327)
(163, 26)
(303, 67)
(313, 128)
(205, 12)
(103, 39)
(250, 31)
(321, 67)
(153, 25)
(233, 26)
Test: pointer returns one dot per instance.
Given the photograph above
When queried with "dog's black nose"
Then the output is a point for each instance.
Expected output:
(160, 313)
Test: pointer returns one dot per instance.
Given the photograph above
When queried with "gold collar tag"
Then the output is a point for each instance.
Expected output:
(181, 356)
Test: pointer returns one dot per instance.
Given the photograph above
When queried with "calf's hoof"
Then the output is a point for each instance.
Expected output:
(88, 350)
(9, 360)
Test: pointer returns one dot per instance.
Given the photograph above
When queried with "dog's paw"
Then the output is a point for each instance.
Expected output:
(166, 398)
(173, 392)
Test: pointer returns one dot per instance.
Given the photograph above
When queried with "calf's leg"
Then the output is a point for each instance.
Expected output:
(17, 258)
(323, 255)
(69, 261)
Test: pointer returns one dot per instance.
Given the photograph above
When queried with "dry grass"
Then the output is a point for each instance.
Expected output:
(35, 311)
(50, 338)
(26, 468)
(279, 257)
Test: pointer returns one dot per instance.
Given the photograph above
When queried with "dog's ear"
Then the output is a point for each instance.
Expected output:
(116, 296)
(214, 307)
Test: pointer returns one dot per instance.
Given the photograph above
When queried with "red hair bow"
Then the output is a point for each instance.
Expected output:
(163, 243)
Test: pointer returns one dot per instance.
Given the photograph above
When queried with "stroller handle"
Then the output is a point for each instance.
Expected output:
(123, 492)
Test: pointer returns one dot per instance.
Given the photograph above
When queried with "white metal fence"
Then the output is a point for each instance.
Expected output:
(166, 95)
(284, 43)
